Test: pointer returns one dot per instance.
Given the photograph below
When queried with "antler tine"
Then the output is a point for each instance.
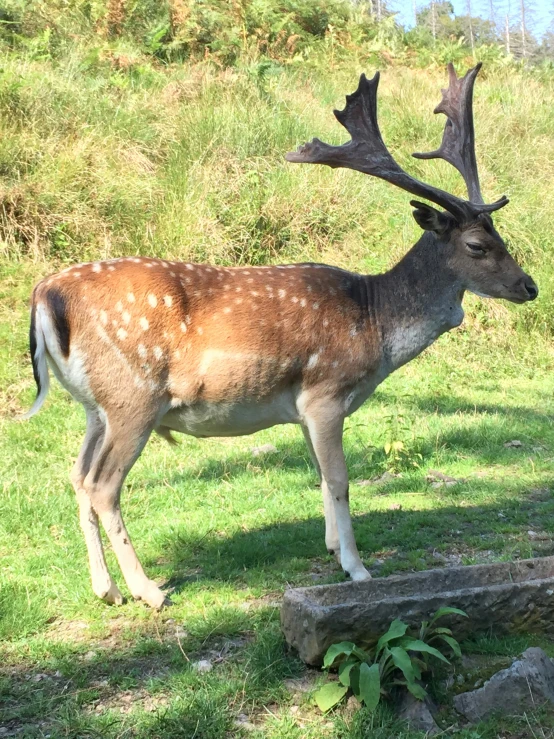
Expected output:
(458, 140)
(367, 152)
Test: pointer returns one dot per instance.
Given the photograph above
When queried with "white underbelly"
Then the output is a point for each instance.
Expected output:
(232, 419)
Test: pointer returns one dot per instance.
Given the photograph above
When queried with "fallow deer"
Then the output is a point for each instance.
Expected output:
(154, 345)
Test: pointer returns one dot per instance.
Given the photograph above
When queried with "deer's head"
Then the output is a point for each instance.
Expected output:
(473, 250)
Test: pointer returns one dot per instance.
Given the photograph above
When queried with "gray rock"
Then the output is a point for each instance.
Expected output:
(506, 597)
(524, 686)
(418, 714)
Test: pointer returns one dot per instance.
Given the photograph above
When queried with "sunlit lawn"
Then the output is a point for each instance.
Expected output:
(227, 532)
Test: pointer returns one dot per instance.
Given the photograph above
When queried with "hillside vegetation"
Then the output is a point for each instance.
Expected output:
(108, 149)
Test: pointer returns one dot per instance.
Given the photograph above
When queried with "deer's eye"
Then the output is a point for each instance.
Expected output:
(476, 250)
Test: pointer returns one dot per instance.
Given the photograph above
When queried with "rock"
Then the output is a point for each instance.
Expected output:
(528, 683)
(203, 665)
(438, 479)
(380, 480)
(418, 714)
(89, 656)
(516, 443)
(258, 451)
(506, 597)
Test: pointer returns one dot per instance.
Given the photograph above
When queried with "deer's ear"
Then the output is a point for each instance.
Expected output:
(430, 219)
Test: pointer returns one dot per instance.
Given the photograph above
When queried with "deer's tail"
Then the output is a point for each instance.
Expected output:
(37, 345)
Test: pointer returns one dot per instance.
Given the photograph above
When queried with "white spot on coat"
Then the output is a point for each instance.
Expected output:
(158, 353)
(312, 361)
(144, 323)
(153, 300)
(130, 297)
(168, 300)
(121, 333)
(142, 351)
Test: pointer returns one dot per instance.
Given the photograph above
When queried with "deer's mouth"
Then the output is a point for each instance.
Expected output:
(523, 293)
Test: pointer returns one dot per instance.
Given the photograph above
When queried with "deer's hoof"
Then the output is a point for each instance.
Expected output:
(110, 594)
(152, 595)
(360, 575)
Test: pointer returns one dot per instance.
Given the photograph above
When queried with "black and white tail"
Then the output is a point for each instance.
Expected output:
(37, 346)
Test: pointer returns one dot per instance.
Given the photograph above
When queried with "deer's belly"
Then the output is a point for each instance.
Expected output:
(232, 419)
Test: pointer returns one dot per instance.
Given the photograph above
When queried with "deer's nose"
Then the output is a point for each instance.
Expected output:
(532, 289)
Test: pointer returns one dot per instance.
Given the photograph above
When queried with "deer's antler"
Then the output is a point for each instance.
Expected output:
(458, 139)
(366, 152)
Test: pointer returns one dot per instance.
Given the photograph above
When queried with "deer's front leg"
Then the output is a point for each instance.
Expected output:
(325, 429)
(331, 532)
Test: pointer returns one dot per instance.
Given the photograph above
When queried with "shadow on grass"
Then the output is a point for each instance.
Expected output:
(450, 404)
(401, 540)
(144, 686)
(149, 687)
(96, 697)
(483, 444)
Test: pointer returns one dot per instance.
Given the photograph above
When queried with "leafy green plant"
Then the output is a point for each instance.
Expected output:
(398, 659)
(400, 442)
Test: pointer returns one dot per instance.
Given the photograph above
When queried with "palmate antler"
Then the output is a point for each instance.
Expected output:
(366, 152)
(458, 139)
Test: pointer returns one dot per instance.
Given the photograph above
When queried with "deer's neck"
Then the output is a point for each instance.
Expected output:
(418, 300)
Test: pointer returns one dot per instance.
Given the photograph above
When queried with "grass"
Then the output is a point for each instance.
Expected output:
(227, 532)
(98, 160)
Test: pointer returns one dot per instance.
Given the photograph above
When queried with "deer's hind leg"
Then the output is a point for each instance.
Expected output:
(102, 584)
(123, 440)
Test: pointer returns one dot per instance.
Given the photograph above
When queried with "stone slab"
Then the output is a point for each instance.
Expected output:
(506, 597)
(525, 686)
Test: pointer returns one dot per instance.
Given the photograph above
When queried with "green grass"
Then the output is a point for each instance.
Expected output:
(228, 532)
(186, 161)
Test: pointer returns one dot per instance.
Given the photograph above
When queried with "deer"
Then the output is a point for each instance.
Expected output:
(152, 345)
